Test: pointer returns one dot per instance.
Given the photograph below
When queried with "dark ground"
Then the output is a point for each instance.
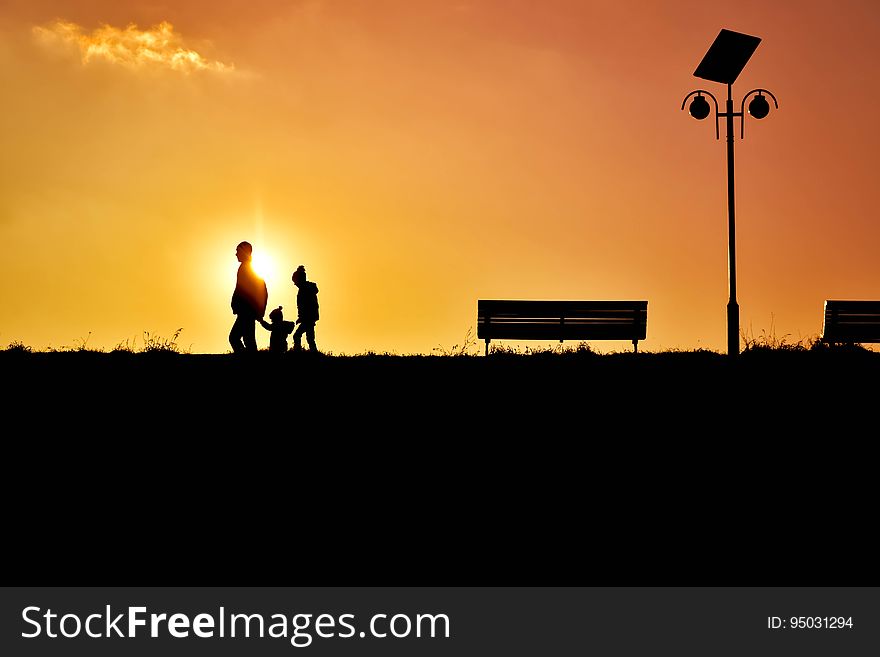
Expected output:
(553, 469)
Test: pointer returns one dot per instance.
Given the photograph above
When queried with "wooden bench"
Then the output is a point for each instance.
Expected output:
(562, 320)
(851, 321)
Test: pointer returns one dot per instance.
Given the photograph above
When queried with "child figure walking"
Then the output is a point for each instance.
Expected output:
(279, 330)
(307, 307)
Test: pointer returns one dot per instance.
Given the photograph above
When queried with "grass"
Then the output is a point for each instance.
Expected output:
(558, 399)
(468, 347)
(80, 345)
(156, 344)
(153, 343)
(463, 365)
(767, 341)
(18, 347)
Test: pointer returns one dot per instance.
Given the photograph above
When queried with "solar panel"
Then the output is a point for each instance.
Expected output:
(727, 57)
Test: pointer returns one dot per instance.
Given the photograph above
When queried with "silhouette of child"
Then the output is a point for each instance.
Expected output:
(279, 330)
(307, 307)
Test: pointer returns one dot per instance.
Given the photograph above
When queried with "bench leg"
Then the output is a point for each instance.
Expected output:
(487, 346)
(635, 346)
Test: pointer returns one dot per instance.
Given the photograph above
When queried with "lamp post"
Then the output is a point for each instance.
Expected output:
(723, 63)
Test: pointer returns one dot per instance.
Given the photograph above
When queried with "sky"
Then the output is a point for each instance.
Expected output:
(419, 156)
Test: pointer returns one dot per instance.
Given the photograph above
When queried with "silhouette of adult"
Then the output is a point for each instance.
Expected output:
(248, 302)
(307, 308)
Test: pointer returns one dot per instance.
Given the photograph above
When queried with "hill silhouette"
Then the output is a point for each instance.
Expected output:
(560, 468)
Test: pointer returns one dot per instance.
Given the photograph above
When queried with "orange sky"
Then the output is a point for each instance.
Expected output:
(418, 156)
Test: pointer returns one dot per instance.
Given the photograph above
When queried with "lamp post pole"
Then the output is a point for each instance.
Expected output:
(732, 305)
(723, 63)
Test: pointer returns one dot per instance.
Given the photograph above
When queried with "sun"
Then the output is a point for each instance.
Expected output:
(264, 265)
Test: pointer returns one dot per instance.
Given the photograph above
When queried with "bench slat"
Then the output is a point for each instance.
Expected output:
(500, 306)
(575, 321)
(843, 334)
(851, 318)
(607, 317)
(867, 307)
(554, 333)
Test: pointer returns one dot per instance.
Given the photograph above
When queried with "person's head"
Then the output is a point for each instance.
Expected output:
(276, 315)
(244, 251)
(299, 276)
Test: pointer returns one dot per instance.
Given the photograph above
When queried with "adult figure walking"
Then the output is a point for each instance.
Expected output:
(248, 302)
(307, 308)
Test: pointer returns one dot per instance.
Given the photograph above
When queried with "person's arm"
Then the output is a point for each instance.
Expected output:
(264, 299)
(236, 293)
(266, 325)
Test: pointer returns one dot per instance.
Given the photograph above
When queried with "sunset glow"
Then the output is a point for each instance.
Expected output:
(265, 266)
(418, 156)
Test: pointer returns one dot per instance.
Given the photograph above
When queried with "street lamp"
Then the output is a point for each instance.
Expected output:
(723, 62)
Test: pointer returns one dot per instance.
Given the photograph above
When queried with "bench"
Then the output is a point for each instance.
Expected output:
(562, 320)
(851, 321)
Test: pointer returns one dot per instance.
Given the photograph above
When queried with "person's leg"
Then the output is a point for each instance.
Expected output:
(297, 337)
(310, 337)
(235, 336)
(249, 334)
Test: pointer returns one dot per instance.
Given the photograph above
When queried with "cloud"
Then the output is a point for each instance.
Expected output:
(131, 47)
